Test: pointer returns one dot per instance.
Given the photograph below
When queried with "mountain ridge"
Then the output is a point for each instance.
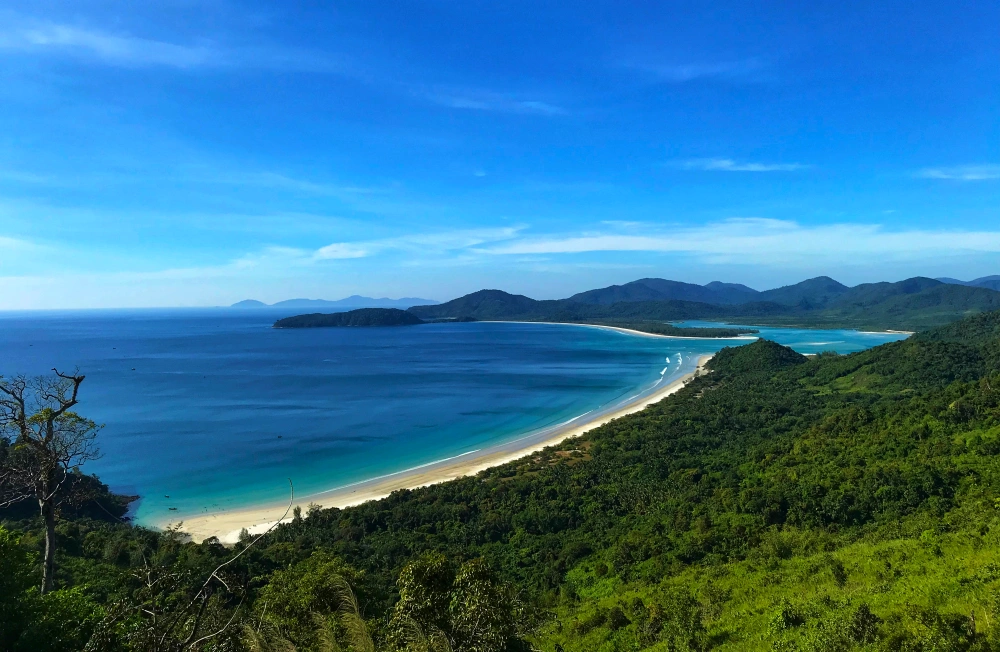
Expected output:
(911, 304)
(813, 292)
(988, 282)
(353, 301)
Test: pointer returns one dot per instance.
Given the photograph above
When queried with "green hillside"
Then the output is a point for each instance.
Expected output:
(811, 293)
(914, 304)
(501, 306)
(908, 305)
(775, 503)
(658, 289)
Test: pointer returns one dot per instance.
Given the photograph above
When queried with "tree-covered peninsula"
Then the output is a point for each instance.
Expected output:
(359, 317)
(836, 503)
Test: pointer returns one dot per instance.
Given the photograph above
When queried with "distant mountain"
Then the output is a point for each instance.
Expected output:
(497, 305)
(870, 294)
(809, 294)
(307, 303)
(734, 289)
(359, 317)
(489, 305)
(989, 282)
(909, 305)
(354, 301)
(658, 289)
(911, 308)
(813, 293)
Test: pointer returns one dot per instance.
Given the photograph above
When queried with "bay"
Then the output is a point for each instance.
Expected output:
(212, 409)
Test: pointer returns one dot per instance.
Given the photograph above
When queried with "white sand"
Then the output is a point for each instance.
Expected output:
(631, 331)
(226, 525)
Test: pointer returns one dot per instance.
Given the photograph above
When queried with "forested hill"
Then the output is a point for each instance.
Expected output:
(497, 305)
(359, 317)
(914, 304)
(774, 503)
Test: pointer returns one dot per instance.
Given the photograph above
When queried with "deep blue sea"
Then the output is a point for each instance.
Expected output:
(213, 409)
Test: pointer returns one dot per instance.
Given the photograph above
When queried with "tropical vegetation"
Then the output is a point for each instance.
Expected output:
(778, 502)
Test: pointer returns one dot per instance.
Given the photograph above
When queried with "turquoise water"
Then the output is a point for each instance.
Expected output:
(213, 409)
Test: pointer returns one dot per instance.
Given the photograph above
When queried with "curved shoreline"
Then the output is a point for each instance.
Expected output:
(226, 525)
(629, 331)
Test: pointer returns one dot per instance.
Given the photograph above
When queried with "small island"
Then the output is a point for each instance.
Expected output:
(360, 317)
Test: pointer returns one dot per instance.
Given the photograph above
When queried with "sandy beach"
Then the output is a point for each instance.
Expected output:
(226, 525)
(630, 331)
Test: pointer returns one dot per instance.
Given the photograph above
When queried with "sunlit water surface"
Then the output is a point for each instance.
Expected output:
(213, 409)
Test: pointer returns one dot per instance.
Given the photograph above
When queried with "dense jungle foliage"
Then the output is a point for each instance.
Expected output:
(775, 503)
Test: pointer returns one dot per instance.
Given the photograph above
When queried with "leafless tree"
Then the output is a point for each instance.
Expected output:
(45, 442)
(165, 623)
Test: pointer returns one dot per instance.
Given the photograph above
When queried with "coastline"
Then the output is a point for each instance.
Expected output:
(629, 331)
(226, 525)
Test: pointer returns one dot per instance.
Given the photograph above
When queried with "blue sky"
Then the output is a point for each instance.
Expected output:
(199, 153)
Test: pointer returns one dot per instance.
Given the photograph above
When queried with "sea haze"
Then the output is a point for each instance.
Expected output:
(206, 410)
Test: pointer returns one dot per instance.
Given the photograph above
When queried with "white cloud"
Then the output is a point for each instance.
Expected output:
(763, 241)
(129, 51)
(116, 49)
(276, 180)
(736, 70)
(17, 176)
(339, 250)
(482, 100)
(126, 50)
(729, 165)
(420, 244)
(502, 254)
(16, 244)
(962, 173)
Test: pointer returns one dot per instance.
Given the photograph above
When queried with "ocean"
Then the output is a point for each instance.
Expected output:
(211, 409)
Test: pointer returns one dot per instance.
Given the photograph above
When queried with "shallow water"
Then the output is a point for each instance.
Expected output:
(213, 409)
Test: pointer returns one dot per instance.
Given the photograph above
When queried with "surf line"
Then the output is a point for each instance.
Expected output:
(501, 444)
(389, 475)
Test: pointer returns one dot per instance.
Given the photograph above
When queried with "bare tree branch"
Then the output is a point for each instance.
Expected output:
(204, 593)
(220, 631)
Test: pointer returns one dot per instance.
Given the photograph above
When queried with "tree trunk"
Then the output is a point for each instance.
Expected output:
(48, 566)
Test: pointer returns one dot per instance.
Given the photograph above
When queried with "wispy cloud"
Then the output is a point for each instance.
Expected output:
(962, 173)
(757, 240)
(16, 244)
(129, 51)
(483, 100)
(17, 176)
(340, 250)
(88, 44)
(308, 186)
(741, 70)
(111, 48)
(729, 165)
(420, 244)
